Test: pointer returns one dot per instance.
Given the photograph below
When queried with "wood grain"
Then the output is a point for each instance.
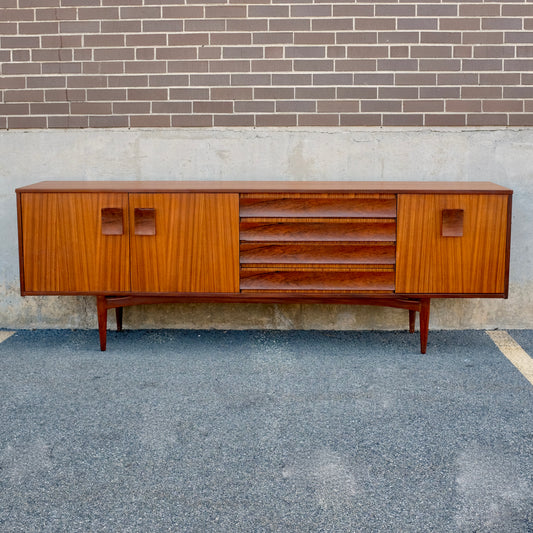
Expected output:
(332, 232)
(428, 263)
(196, 248)
(63, 248)
(318, 207)
(291, 187)
(317, 281)
(322, 253)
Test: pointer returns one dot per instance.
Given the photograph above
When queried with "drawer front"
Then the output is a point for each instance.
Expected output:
(341, 243)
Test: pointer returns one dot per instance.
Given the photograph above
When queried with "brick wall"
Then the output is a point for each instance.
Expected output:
(160, 63)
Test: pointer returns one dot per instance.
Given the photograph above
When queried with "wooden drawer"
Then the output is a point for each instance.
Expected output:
(318, 253)
(317, 242)
(312, 280)
(318, 207)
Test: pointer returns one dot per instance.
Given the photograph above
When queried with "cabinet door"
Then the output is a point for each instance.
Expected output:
(75, 242)
(184, 242)
(452, 244)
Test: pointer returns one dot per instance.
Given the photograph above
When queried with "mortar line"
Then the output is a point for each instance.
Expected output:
(514, 352)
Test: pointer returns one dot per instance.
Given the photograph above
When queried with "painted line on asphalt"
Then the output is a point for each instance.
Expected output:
(514, 352)
(4, 335)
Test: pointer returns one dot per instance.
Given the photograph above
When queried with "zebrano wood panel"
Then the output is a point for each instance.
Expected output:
(318, 231)
(428, 262)
(318, 207)
(195, 247)
(322, 253)
(64, 250)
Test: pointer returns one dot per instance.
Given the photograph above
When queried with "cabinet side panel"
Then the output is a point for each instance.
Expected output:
(195, 247)
(428, 262)
(64, 250)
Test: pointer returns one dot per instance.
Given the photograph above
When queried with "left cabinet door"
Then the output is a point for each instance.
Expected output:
(74, 243)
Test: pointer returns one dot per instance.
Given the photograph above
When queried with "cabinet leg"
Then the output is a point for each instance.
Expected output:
(412, 317)
(118, 314)
(102, 321)
(424, 323)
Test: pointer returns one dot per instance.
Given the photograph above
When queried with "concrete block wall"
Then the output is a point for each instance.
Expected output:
(501, 155)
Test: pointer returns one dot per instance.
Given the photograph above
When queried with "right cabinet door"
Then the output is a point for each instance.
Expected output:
(452, 244)
(184, 242)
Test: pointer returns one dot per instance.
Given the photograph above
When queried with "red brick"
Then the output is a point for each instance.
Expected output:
(487, 119)
(447, 119)
(26, 122)
(68, 121)
(463, 106)
(168, 80)
(150, 121)
(503, 106)
(404, 119)
(148, 94)
(90, 108)
(108, 122)
(171, 107)
(192, 121)
(140, 12)
(356, 65)
(296, 106)
(233, 121)
(50, 108)
(212, 107)
(23, 96)
(338, 106)
(360, 119)
(275, 120)
(255, 106)
(324, 120)
(131, 108)
(127, 81)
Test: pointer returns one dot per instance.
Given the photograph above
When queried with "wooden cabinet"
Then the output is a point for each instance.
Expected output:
(395, 244)
(192, 246)
(67, 245)
(452, 244)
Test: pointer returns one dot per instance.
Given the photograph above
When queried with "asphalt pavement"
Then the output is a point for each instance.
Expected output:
(264, 431)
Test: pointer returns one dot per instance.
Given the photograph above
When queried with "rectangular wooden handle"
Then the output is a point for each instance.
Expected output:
(144, 218)
(112, 221)
(452, 222)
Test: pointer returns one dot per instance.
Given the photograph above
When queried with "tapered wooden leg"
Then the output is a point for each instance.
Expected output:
(424, 323)
(412, 317)
(102, 321)
(118, 314)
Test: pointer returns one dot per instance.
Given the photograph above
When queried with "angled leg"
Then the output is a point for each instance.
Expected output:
(424, 323)
(118, 314)
(412, 317)
(102, 321)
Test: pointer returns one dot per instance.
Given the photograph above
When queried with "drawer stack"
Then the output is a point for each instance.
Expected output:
(341, 243)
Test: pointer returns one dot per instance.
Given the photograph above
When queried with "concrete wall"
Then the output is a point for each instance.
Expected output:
(502, 155)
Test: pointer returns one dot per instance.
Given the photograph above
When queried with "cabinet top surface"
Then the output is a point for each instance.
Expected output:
(269, 186)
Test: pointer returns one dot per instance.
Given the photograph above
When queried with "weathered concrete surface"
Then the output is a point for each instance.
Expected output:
(500, 155)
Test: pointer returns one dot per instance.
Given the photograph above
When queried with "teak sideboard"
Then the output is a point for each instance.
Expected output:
(395, 244)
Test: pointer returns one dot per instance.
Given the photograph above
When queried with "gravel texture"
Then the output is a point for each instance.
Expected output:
(260, 431)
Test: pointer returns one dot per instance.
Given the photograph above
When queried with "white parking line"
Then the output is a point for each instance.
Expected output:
(514, 352)
(5, 335)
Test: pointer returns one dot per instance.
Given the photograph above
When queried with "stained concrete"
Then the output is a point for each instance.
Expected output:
(500, 155)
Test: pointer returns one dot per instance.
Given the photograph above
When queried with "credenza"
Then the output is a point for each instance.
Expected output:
(395, 244)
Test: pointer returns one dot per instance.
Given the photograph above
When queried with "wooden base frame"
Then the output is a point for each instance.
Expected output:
(414, 305)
